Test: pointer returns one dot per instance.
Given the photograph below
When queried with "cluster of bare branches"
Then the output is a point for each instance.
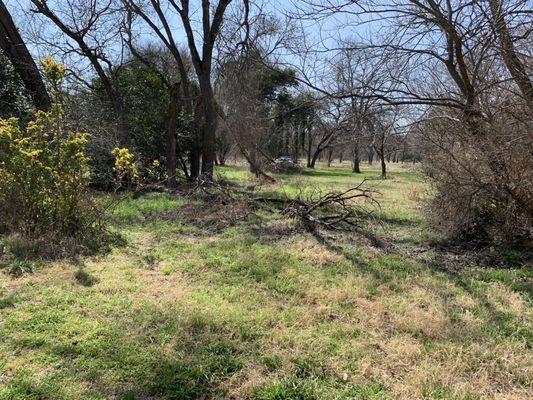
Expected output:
(332, 210)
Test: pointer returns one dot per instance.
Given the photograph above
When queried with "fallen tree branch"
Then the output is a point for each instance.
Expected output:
(331, 210)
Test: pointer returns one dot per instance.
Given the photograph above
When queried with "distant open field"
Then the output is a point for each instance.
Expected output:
(191, 306)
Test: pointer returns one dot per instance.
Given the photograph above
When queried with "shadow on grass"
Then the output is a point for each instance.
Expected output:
(399, 221)
(496, 321)
(117, 361)
(395, 264)
(8, 301)
(20, 255)
(347, 173)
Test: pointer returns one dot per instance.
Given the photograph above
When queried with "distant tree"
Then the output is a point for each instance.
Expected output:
(256, 107)
(327, 128)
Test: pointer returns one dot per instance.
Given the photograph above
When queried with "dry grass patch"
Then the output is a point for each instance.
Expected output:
(309, 250)
(505, 300)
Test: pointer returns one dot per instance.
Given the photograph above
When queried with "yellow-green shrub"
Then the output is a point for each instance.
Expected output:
(43, 172)
(125, 167)
(43, 175)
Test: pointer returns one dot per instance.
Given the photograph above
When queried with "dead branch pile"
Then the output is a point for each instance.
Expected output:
(330, 210)
(222, 204)
(210, 215)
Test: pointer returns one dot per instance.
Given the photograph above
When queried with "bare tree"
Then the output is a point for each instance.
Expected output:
(91, 30)
(203, 65)
(156, 18)
(323, 135)
(172, 72)
(242, 112)
(250, 87)
(384, 124)
(358, 75)
(510, 56)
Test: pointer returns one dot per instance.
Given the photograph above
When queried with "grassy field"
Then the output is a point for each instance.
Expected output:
(263, 310)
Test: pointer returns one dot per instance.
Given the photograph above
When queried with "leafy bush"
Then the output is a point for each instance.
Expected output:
(125, 167)
(43, 175)
(43, 172)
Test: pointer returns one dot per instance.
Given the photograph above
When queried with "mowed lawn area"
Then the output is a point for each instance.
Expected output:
(191, 306)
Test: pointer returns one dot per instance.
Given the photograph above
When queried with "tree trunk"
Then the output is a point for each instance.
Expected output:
(195, 159)
(340, 158)
(222, 159)
(209, 138)
(16, 51)
(330, 157)
(355, 166)
(255, 168)
(370, 154)
(316, 154)
(309, 151)
(383, 163)
(172, 136)
(508, 52)
(209, 126)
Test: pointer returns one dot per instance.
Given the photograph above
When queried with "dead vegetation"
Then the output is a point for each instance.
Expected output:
(332, 210)
(218, 205)
(211, 215)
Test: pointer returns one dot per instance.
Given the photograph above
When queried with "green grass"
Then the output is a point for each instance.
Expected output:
(265, 311)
